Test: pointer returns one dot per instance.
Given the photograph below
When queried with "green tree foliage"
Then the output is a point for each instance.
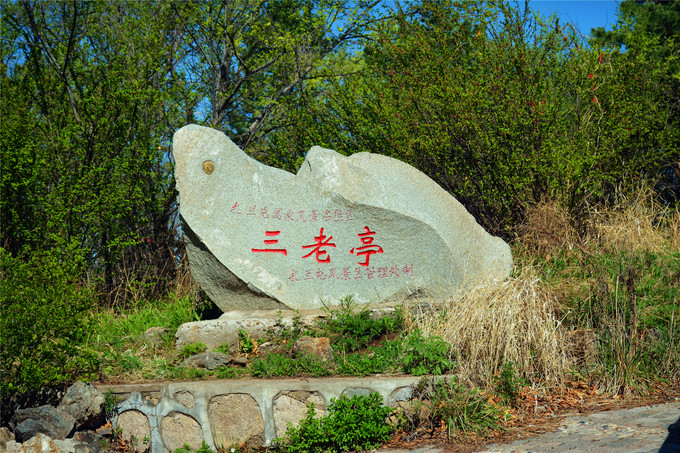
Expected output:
(352, 424)
(85, 138)
(95, 91)
(647, 33)
(248, 58)
(92, 94)
(43, 319)
(500, 107)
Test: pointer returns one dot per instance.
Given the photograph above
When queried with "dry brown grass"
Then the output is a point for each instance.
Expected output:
(633, 222)
(492, 325)
(548, 229)
(674, 230)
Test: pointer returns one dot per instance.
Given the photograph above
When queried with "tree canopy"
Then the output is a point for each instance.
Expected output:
(501, 107)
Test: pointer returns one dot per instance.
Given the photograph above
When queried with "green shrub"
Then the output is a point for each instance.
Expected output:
(223, 348)
(509, 384)
(462, 410)
(352, 330)
(423, 355)
(246, 344)
(191, 349)
(282, 333)
(386, 358)
(279, 365)
(413, 354)
(43, 322)
(355, 424)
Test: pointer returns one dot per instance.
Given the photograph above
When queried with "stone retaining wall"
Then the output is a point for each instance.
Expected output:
(228, 413)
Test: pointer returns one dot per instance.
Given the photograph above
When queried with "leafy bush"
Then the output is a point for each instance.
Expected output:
(282, 333)
(223, 348)
(461, 409)
(279, 365)
(501, 108)
(352, 330)
(246, 344)
(356, 424)
(425, 355)
(382, 359)
(43, 322)
(191, 349)
(413, 354)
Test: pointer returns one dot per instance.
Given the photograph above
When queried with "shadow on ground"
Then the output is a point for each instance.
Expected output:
(672, 442)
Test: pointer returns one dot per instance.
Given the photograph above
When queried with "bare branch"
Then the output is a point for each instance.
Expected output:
(51, 58)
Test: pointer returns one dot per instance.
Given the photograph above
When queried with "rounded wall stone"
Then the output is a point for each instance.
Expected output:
(291, 407)
(235, 419)
(356, 391)
(134, 428)
(185, 398)
(400, 394)
(178, 429)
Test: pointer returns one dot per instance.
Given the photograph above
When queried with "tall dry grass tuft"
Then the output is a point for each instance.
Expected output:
(633, 222)
(491, 326)
(184, 283)
(674, 230)
(547, 230)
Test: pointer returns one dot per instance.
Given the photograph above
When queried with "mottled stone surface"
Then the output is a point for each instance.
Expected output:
(236, 419)
(291, 407)
(365, 225)
(185, 398)
(257, 323)
(40, 443)
(398, 395)
(210, 360)
(179, 429)
(317, 346)
(47, 420)
(135, 428)
(5, 436)
(84, 402)
(88, 442)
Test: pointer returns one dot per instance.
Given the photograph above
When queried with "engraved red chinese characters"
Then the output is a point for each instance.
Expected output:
(321, 256)
(368, 248)
(270, 242)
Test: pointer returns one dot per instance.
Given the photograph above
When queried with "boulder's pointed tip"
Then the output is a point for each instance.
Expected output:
(192, 130)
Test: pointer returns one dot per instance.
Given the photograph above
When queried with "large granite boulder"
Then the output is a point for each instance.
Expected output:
(366, 225)
(47, 420)
(84, 402)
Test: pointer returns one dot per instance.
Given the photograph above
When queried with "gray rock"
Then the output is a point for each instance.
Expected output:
(47, 420)
(257, 324)
(156, 335)
(134, 430)
(318, 346)
(12, 446)
(209, 360)
(366, 225)
(84, 402)
(236, 419)
(5, 436)
(88, 442)
(41, 443)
